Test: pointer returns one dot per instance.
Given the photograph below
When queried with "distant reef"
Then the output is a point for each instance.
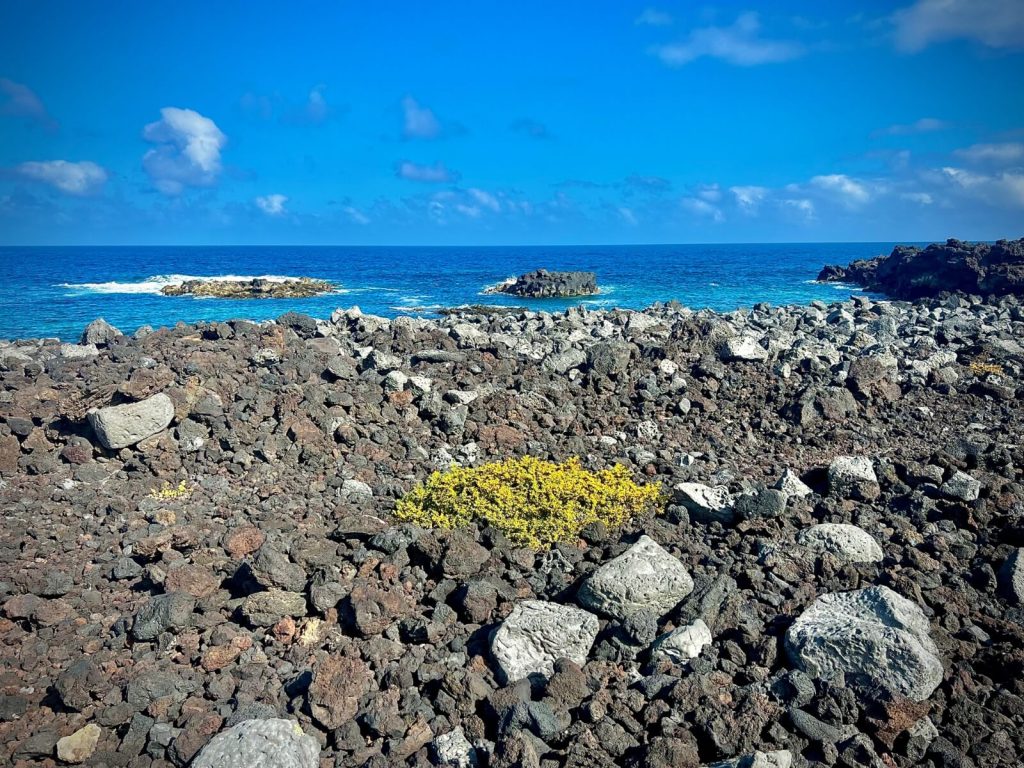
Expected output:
(257, 288)
(951, 267)
(542, 284)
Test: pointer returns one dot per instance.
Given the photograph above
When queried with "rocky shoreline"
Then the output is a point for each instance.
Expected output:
(198, 562)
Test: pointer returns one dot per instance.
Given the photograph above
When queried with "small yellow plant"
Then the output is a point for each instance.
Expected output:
(535, 503)
(979, 368)
(168, 492)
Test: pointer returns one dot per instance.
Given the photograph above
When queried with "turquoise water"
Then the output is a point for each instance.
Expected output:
(56, 291)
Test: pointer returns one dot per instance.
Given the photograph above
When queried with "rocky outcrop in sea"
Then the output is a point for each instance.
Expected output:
(542, 284)
(199, 563)
(256, 288)
(954, 267)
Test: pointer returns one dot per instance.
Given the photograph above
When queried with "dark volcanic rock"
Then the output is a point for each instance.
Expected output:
(912, 273)
(543, 284)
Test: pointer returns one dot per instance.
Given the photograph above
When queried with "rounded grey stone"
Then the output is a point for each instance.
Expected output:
(537, 633)
(844, 541)
(643, 578)
(873, 632)
(272, 743)
(120, 426)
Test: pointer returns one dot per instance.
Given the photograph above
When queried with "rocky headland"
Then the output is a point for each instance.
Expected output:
(955, 267)
(256, 288)
(542, 284)
(199, 564)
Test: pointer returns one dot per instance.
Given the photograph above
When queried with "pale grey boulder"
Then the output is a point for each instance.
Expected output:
(100, 333)
(873, 632)
(269, 743)
(961, 487)
(454, 750)
(791, 485)
(742, 349)
(644, 578)
(682, 644)
(779, 758)
(704, 503)
(537, 633)
(846, 542)
(1011, 576)
(853, 477)
(120, 426)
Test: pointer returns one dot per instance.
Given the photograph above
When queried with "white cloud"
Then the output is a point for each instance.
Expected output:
(187, 152)
(420, 122)
(355, 215)
(699, 207)
(1001, 189)
(272, 205)
(924, 125)
(21, 101)
(802, 206)
(1007, 152)
(485, 199)
(432, 174)
(652, 17)
(921, 198)
(749, 198)
(994, 23)
(738, 44)
(628, 215)
(316, 105)
(849, 191)
(83, 178)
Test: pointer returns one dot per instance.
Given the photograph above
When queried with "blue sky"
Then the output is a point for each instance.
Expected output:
(490, 123)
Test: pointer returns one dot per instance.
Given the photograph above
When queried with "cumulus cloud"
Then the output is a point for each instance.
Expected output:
(993, 23)
(701, 207)
(652, 17)
(419, 121)
(485, 199)
(924, 125)
(739, 44)
(1001, 189)
(18, 100)
(749, 198)
(80, 179)
(431, 174)
(801, 206)
(1004, 153)
(850, 192)
(272, 205)
(187, 151)
(531, 128)
(921, 198)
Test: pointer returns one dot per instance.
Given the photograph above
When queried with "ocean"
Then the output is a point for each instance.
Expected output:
(56, 291)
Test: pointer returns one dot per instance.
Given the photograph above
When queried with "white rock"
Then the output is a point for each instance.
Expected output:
(961, 486)
(743, 348)
(873, 632)
(648, 431)
(537, 633)
(779, 758)
(264, 743)
(78, 351)
(667, 367)
(791, 485)
(846, 542)
(643, 578)
(353, 487)
(420, 385)
(122, 425)
(705, 504)
(852, 477)
(453, 750)
(682, 644)
(395, 381)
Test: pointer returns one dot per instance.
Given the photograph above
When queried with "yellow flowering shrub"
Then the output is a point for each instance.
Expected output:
(535, 503)
(168, 492)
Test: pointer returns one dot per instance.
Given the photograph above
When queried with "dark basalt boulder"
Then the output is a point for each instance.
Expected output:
(955, 267)
(542, 284)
